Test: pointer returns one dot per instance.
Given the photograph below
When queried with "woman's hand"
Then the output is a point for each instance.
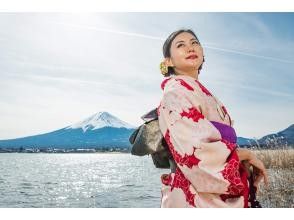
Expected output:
(259, 171)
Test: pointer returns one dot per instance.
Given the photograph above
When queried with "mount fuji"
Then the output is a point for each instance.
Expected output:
(100, 120)
(97, 131)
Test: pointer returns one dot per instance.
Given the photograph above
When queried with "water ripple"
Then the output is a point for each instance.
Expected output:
(78, 180)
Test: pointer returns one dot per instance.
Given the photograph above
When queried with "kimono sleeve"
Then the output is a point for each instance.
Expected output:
(195, 144)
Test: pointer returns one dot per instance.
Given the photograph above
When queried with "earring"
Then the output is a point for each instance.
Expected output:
(163, 68)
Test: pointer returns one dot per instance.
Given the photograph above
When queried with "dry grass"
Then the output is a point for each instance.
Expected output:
(279, 158)
(280, 166)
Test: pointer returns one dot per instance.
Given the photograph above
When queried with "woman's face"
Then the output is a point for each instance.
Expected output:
(186, 54)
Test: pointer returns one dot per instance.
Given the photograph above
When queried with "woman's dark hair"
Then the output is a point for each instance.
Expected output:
(167, 45)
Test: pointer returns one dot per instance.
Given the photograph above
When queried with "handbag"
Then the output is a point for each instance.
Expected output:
(147, 139)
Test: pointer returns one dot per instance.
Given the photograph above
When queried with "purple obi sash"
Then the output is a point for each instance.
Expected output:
(227, 132)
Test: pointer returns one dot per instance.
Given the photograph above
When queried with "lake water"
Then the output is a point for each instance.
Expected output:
(79, 180)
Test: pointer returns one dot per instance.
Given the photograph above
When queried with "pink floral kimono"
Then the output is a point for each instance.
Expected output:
(201, 139)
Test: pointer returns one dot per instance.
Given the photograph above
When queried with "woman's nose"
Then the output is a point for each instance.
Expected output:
(191, 49)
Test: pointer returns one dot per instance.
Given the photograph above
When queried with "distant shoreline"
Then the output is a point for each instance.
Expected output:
(65, 151)
(107, 152)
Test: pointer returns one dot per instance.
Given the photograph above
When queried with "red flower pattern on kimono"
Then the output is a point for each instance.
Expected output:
(186, 85)
(164, 82)
(180, 181)
(203, 88)
(192, 113)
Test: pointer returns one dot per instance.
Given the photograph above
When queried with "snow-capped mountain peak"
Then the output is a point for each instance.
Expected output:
(100, 120)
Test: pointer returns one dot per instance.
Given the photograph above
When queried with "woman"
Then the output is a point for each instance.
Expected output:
(199, 134)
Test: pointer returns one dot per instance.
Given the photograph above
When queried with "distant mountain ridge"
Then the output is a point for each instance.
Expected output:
(104, 130)
(99, 130)
(282, 138)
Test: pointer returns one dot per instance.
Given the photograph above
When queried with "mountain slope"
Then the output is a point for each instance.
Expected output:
(281, 138)
(99, 130)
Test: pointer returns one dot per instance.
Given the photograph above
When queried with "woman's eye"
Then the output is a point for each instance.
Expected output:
(195, 42)
(179, 45)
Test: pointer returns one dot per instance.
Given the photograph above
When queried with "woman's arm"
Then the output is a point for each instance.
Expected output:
(244, 154)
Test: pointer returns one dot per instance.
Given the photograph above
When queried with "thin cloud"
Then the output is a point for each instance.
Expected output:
(251, 88)
(104, 86)
(109, 31)
(249, 54)
(205, 45)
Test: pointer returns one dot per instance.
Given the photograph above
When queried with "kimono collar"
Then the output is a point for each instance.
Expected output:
(184, 77)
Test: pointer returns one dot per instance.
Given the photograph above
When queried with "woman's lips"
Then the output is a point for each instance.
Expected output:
(192, 57)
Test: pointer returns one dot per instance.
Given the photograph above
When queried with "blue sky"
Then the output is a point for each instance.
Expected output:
(59, 68)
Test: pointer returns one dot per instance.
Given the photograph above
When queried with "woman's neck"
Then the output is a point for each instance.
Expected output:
(191, 74)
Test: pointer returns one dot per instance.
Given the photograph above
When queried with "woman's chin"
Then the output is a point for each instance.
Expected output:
(188, 67)
(191, 67)
(192, 64)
